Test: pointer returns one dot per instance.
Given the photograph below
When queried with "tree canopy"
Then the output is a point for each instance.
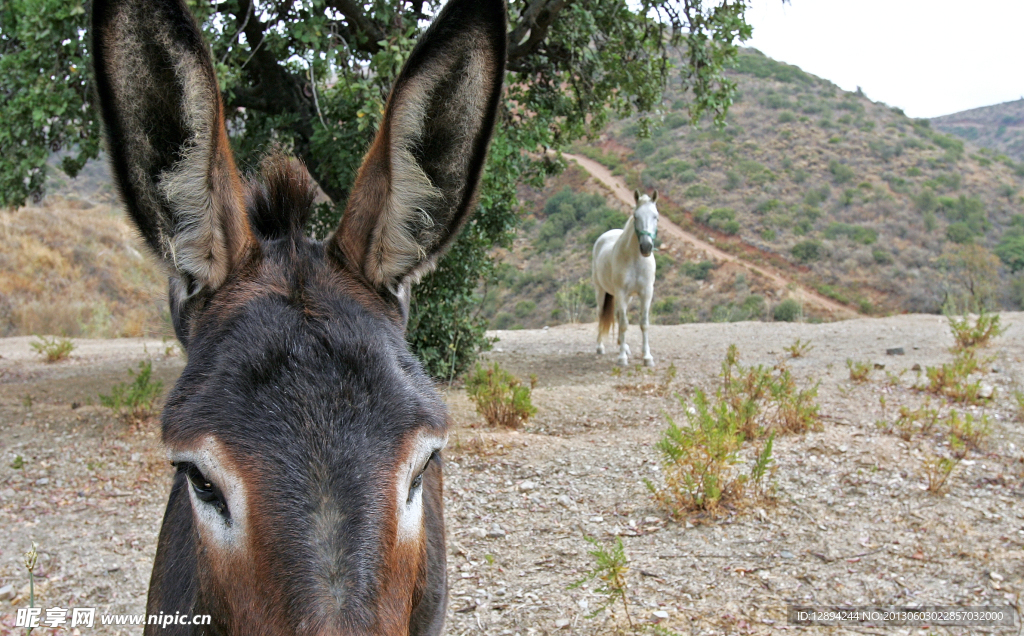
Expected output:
(311, 77)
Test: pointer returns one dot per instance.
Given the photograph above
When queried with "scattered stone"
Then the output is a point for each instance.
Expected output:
(6, 592)
(986, 391)
(879, 366)
(658, 615)
(995, 576)
(527, 486)
(42, 481)
(564, 500)
(916, 367)
(479, 533)
(786, 554)
(894, 351)
(562, 623)
(496, 532)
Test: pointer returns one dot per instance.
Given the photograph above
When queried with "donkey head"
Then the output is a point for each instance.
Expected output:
(307, 440)
(645, 221)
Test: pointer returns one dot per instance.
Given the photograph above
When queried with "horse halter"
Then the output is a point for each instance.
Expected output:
(641, 233)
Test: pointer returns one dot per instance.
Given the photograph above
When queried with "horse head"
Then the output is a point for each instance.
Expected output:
(645, 221)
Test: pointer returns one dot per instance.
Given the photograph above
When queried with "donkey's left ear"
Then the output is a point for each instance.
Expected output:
(654, 197)
(417, 183)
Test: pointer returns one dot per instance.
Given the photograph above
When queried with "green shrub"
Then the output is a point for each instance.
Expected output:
(856, 233)
(574, 298)
(525, 308)
(721, 219)
(859, 370)
(500, 397)
(666, 305)
(698, 271)
(786, 117)
(53, 348)
(807, 251)
(503, 320)
(881, 257)
(952, 380)
(698, 190)
(817, 196)
(969, 334)
(134, 401)
(959, 233)
(788, 310)
(841, 172)
(567, 210)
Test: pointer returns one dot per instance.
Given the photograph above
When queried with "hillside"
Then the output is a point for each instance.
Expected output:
(71, 265)
(817, 186)
(845, 195)
(999, 127)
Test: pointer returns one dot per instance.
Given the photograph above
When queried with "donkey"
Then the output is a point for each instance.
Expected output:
(306, 437)
(623, 267)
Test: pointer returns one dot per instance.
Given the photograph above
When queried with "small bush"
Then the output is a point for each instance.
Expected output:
(53, 348)
(698, 271)
(937, 471)
(135, 401)
(788, 310)
(841, 172)
(976, 334)
(952, 380)
(807, 251)
(698, 459)
(859, 371)
(799, 348)
(525, 308)
(500, 397)
(610, 568)
(574, 299)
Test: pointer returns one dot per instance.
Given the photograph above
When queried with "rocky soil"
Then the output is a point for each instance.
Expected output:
(851, 523)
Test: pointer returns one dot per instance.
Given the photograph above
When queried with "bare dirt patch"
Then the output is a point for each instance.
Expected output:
(852, 523)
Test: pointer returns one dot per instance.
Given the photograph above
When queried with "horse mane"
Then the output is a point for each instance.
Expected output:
(280, 199)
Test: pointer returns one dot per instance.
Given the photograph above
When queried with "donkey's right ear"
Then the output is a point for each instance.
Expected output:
(164, 127)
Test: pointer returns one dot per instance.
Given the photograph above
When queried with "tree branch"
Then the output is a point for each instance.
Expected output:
(533, 28)
(367, 32)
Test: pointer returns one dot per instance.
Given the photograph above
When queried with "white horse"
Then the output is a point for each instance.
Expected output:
(623, 268)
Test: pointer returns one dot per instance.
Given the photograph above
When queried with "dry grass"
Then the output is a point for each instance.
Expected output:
(73, 269)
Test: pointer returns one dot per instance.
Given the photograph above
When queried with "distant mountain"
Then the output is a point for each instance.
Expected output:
(999, 127)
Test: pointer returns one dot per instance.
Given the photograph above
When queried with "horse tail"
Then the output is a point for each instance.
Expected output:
(607, 317)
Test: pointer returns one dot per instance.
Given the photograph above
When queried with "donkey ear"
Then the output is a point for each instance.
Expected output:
(636, 196)
(654, 197)
(417, 183)
(164, 128)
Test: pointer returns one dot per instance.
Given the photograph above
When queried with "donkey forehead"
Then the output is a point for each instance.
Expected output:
(301, 365)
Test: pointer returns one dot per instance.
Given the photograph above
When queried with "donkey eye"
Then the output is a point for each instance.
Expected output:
(418, 480)
(204, 489)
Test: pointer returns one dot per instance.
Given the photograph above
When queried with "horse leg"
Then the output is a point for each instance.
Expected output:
(600, 305)
(645, 319)
(620, 309)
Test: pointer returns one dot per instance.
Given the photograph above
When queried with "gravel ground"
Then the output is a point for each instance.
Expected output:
(852, 523)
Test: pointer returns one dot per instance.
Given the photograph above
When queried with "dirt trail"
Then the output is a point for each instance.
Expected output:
(624, 194)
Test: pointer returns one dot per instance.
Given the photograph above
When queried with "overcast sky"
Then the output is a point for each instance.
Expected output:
(928, 57)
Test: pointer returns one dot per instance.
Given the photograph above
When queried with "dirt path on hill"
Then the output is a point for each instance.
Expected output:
(624, 194)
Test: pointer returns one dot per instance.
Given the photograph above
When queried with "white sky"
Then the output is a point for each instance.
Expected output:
(928, 57)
